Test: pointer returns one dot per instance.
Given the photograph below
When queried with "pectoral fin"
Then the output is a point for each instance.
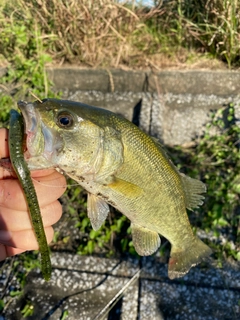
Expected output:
(126, 188)
(97, 210)
(145, 241)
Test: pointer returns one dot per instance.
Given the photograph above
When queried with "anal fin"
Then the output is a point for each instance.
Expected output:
(97, 210)
(145, 241)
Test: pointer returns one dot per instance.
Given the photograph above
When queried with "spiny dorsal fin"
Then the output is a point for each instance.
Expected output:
(193, 189)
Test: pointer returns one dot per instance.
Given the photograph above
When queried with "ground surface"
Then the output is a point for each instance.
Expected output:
(86, 285)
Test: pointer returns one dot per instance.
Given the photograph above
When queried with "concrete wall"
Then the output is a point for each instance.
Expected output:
(171, 105)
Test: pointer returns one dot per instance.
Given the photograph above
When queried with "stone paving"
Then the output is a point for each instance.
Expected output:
(84, 286)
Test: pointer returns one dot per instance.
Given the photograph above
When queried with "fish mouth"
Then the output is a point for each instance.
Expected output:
(33, 136)
(40, 140)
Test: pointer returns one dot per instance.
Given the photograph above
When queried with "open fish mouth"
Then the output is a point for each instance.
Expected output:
(40, 140)
(34, 139)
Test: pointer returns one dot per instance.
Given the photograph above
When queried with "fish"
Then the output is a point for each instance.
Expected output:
(121, 166)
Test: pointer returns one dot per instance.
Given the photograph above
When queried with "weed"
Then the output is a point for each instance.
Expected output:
(27, 310)
(23, 48)
(109, 33)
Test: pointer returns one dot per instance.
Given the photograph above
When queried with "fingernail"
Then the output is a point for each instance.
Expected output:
(5, 236)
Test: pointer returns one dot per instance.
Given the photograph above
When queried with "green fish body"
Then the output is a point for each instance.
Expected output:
(120, 165)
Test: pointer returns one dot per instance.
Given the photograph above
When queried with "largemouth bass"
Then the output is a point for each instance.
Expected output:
(120, 165)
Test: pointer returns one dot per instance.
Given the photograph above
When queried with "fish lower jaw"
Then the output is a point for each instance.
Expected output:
(38, 163)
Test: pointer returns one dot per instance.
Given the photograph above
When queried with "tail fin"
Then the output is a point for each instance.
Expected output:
(182, 259)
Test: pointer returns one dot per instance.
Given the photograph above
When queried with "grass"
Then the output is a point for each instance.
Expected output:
(108, 33)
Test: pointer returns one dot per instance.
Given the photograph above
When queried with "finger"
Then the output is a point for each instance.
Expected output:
(7, 171)
(42, 172)
(4, 153)
(48, 189)
(14, 220)
(6, 251)
(24, 239)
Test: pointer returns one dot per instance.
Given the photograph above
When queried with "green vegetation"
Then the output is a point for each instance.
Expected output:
(35, 34)
(171, 33)
(27, 310)
(22, 52)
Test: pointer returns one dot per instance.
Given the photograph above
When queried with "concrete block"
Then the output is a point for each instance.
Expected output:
(104, 80)
(220, 83)
(175, 105)
(179, 118)
(119, 102)
(170, 105)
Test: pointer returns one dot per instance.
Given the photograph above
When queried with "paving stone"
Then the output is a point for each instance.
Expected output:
(204, 293)
(84, 286)
(81, 285)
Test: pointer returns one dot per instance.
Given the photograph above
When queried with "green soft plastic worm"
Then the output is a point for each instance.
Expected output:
(16, 138)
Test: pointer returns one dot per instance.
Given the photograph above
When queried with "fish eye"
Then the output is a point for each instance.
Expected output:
(65, 120)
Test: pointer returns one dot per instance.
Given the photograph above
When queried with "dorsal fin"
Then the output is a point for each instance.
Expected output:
(193, 190)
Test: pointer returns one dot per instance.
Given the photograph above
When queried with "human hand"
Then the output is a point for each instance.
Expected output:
(16, 232)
